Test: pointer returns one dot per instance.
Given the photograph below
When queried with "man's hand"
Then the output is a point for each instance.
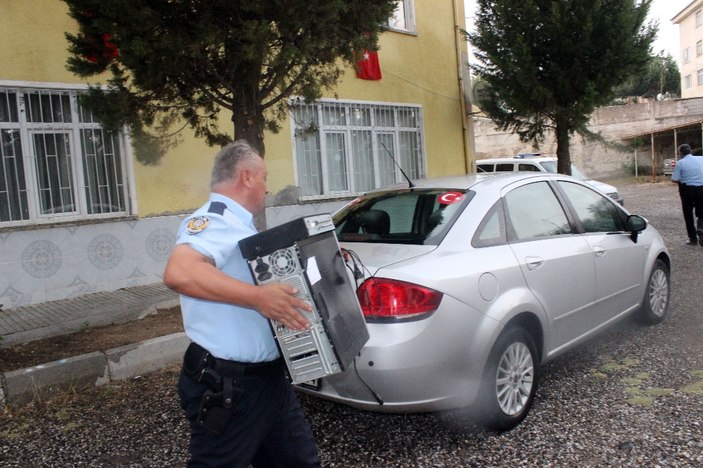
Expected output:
(278, 302)
(191, 273)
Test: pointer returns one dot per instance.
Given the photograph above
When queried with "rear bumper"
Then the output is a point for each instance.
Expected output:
(427, 365)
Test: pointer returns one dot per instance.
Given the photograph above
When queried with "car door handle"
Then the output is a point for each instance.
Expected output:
(599, 251)
(533, 263)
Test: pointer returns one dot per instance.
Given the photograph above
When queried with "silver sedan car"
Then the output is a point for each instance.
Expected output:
(469, 284)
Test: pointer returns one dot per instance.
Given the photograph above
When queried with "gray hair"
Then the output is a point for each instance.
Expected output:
(229, 161)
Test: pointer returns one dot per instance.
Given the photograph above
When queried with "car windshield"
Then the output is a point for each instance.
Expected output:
(551, 166)
(408, 216)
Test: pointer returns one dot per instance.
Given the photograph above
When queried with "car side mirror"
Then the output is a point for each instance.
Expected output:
(635, 224)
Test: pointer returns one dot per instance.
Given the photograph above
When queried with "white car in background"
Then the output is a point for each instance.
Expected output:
(533, 162)
(669, 166)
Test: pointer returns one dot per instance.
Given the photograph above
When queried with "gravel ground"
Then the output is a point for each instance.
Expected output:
(631, 397)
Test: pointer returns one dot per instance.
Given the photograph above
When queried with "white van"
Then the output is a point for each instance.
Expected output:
(536, 163)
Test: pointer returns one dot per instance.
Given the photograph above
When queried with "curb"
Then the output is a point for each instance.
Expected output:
(90, 370)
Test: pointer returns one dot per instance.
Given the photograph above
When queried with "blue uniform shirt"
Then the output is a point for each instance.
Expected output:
(227, 331)
(689, 170)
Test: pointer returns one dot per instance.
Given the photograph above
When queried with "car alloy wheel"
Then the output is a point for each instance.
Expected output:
(656, 299)
(510, 380)
(514, 379)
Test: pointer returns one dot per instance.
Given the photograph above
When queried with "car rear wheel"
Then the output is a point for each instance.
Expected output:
(510, 380)
(655, 304)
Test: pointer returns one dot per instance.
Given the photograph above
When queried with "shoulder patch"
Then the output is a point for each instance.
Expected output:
(197, 224)
(217, 208)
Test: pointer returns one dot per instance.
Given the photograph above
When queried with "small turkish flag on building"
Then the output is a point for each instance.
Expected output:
(367, 66)
(102, 50)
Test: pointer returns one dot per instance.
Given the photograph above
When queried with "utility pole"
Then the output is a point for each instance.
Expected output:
(661, 74)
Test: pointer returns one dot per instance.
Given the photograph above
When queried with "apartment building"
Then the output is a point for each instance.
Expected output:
(690, 22)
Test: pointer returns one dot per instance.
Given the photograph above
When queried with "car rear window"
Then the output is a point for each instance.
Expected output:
(505, 167)
(551, 166)
(527, 167)
(410, 216)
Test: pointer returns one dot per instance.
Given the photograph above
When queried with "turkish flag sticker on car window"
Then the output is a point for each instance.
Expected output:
(449, 197)
(356, 200)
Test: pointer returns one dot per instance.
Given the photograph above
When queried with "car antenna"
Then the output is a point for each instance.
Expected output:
(410, 182)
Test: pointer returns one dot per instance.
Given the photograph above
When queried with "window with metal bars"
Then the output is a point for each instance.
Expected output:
(56, 162)
(403, 18)
(347, 148)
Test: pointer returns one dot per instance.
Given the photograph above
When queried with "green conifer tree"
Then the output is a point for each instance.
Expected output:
(190, 60)
(549, 63)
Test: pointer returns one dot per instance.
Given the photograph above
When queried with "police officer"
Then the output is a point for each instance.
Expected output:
(688, 173)
(233, 389)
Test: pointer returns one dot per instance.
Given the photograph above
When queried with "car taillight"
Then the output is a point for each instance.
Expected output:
(382, 298)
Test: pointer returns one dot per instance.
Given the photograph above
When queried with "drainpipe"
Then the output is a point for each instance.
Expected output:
(133, 208)
(464, 84)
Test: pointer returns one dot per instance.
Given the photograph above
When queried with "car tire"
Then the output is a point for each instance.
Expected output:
(657, 294)
(509, 380)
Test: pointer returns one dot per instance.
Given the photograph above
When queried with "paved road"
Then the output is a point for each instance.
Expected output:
(632, 397)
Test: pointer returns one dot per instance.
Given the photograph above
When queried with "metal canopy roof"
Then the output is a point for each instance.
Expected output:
(670, 129)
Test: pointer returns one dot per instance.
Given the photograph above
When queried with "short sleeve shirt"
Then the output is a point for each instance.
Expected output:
(689, 170)
(227, 331)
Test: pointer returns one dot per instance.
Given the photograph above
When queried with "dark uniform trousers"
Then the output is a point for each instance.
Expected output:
(267, 427)
(692, 202)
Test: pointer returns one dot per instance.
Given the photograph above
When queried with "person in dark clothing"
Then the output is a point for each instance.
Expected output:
(688, 174)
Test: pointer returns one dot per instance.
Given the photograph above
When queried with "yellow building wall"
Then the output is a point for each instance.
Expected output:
(32, 42)
(417, 69)
(180, 182)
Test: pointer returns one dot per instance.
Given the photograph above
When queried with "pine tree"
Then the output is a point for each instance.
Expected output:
(549, 63)
(189, 60)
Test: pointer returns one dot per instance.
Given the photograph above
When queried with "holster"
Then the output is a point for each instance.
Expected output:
(216, 407)
(223, 381)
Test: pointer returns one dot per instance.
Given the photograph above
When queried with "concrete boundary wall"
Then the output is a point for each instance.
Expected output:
(612, 123)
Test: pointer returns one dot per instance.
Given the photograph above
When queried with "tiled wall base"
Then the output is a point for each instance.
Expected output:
(48, 264)
(67, 261)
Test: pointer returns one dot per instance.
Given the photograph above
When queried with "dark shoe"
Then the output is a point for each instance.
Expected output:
(700, 237)
(692, 242)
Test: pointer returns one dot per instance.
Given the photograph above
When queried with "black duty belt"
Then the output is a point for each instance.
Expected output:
(225, 368)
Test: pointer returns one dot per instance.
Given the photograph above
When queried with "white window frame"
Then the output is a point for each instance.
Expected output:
(91, 181)
(699, 48)
(687, 81)
(699, 76)
(699, 18)
(403, 18)
(686, 56)
(405, 143)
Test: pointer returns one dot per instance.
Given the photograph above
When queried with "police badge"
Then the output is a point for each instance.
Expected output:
(197, 224)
